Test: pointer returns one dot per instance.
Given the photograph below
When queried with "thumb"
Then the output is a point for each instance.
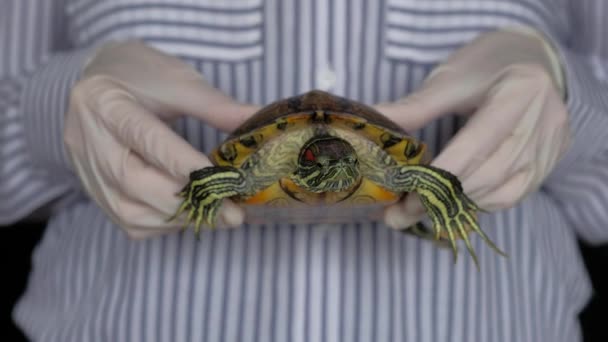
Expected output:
(440, 94)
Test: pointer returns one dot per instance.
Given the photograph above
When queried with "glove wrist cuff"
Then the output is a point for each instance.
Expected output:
(557, 70)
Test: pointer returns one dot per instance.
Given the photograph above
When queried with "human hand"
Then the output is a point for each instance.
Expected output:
(116, 134)
(511, 85)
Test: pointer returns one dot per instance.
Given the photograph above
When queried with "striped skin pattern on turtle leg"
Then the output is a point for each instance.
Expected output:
(441, 193)
(446, 204)
(207, 187)
(205, 191)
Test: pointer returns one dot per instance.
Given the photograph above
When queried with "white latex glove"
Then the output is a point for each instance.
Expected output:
(116, 134)
(510, 84)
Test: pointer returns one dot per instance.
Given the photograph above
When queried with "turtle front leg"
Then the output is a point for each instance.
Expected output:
(448, 207)
(205, 191)
(207, 187)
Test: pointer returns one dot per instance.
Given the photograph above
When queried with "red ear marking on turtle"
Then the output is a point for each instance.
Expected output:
(308, 155)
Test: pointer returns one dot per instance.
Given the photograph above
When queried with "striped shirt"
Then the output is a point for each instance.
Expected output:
(354, 282)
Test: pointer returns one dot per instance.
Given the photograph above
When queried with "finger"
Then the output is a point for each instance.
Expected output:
(131, 214)
(105, 187)
(485, 183)
(531, 149)
(509, 193)
(226, 116)
(158, 145)
(440, 95)
(526, 147)
(404, 214)
(486, 130)
(143, 221)
(151, 138)
(142, 182)
(165, 83)
(555, 134)
(199, 99)
(513, 156)
(140, 219)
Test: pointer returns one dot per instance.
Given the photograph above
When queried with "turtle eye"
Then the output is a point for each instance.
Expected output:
(309, 156)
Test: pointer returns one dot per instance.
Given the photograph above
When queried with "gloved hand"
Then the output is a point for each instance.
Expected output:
(116, 134)
(510, 85)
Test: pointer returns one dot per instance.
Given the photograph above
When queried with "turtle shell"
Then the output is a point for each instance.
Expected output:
(310, 103)
(318, 108)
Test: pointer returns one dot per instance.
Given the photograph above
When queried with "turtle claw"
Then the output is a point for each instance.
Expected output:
(451, 211)
(462, 224)
(459, 226)
(199, 215)
(204, 194)
(475, 227)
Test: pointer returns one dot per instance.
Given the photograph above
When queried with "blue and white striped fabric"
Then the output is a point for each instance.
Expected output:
(296, 283)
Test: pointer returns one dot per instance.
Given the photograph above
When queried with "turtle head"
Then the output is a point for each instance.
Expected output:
(327, 163)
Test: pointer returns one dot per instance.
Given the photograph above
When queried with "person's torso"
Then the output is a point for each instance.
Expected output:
(305, 283)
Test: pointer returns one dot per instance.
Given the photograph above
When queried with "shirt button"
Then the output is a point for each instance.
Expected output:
(326, 79)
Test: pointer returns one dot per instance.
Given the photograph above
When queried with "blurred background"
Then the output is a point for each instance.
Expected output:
(18, 241)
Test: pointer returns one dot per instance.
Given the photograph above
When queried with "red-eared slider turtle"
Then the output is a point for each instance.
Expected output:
(318, 148)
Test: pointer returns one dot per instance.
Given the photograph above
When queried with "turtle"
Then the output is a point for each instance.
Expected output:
(321, 149)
